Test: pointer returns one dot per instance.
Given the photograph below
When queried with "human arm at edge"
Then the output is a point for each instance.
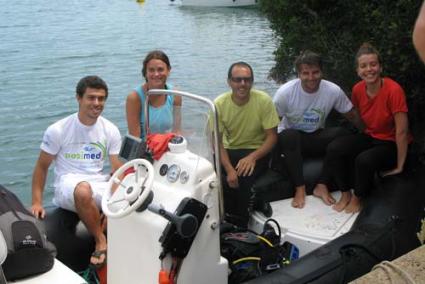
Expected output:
(354, 117)
(245, 166)
(133, 107)
(39, 177)
(401, 139)
(419, 33)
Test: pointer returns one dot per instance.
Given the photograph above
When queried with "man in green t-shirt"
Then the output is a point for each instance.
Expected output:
(247, 121)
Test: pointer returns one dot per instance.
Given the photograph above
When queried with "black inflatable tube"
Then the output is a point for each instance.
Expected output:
(73, 242)
(385, 229)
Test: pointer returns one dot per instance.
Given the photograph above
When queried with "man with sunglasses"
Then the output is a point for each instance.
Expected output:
(303, 104)
(247, 122)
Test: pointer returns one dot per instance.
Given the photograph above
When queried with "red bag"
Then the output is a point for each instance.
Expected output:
(158, 144)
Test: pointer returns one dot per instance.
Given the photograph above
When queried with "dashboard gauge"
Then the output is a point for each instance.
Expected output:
(177, 139)
(173, 173)
(163, 170)
(184, 177)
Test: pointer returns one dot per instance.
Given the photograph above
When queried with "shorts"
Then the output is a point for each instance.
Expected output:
(64, 189)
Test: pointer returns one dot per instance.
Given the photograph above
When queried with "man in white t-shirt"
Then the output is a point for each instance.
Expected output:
(303, 104)
(79, 144)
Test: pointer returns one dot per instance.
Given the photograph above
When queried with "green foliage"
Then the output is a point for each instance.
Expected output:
(337, 28)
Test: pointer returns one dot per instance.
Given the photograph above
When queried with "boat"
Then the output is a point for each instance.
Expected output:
(217, 3)
(168, 212)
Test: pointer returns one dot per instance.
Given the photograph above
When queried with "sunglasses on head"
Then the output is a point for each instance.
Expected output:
(240, 79)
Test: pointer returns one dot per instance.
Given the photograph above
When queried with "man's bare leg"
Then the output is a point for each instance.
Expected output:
(321, 191)
(354, 206)
(299, 198)
(90, 216)
(343, 201)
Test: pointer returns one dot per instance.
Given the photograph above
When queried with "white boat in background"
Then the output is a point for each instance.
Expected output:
(217, 3)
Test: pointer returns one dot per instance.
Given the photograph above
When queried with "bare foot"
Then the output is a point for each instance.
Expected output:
(321, 191)
(354, 205)
(343, 201)
(299, 198)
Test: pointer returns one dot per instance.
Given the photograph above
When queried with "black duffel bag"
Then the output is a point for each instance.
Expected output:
(29, 251)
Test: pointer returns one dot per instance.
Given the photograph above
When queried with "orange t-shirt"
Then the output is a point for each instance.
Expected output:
(378, 112)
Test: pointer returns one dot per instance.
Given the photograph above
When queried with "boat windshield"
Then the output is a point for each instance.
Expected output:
(194, 121)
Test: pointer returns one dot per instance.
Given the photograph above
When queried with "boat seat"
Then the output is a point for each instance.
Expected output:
(274, 184)
(73, 242)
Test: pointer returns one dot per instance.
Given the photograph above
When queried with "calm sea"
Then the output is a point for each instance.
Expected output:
(47, 46)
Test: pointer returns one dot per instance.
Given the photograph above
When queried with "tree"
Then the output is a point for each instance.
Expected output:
(337, 28)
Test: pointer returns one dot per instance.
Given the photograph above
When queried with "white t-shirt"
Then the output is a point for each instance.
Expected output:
(308, 111)
(80, 149)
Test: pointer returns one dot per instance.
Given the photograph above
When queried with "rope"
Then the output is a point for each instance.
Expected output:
(266, 241)
(390, 268)
(90, 275)
(246, 258)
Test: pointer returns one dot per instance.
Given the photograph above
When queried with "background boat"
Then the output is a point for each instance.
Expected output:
(218, 3)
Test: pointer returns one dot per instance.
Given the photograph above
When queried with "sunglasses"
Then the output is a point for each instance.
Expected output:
(240, 79)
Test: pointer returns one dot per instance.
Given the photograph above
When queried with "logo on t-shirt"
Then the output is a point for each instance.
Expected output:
(309, 121)
(91, 151)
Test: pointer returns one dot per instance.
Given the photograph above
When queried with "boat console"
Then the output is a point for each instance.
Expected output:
(164, 211)
(162, 214)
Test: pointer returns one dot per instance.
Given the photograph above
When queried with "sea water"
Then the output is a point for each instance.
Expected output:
(47, 46)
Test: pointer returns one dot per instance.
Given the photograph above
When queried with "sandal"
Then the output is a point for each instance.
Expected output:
(97, 254)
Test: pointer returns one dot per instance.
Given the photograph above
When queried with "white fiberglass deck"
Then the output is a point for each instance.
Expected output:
(310, 227)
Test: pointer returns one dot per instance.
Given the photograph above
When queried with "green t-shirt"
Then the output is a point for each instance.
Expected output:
(243, 127)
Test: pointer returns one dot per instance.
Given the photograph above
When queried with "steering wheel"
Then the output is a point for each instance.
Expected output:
(126, 195)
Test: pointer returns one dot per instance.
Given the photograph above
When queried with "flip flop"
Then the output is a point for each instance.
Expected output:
(97, 254)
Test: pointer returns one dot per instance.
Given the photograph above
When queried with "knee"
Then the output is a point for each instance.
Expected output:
(83, 193)
(363, 162)
(335, 148)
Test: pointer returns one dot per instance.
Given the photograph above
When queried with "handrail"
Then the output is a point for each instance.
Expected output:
(215, 125)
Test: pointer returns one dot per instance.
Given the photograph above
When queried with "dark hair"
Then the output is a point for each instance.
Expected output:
(367, 48)
(240, 64)
(309, 58)
(94, 82)
(155, 54)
